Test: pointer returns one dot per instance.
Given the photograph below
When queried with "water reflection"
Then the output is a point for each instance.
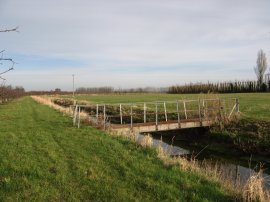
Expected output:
(169, 149)
(235, 172)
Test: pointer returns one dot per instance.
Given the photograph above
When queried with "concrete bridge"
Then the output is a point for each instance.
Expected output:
(156, 116)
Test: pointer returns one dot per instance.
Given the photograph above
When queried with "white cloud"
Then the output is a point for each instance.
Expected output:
(120, 35)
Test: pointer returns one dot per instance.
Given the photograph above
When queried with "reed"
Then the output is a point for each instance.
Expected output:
(50, 102)
(254, 189)
(147, 141)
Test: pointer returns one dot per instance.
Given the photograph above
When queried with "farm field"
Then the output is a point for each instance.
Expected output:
(252, 105)
(44, 158)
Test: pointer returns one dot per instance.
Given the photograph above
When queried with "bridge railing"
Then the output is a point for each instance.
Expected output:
(123, 114)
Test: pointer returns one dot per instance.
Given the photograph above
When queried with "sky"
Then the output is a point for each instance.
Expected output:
(129, 44)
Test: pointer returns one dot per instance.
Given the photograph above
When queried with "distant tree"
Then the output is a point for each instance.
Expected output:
(261, 67)
(57, 90)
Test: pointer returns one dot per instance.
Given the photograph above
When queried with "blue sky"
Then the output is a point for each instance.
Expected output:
(127, 43)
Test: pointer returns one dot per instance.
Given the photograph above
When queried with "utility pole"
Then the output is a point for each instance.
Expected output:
(73, 84)
(74, 102)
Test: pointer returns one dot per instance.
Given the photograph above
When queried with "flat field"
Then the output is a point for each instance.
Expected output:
(252, 105)
(44, 158)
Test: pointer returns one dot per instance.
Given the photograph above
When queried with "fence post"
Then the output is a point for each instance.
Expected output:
(203, 104)
(131, 117)
(104, 111)
(200, 117)
(156, 116)
(237, 105)
(178, 115)
(185, 108)
(165, 110)
(97, 114)
(75, 115)
(79, 119)
(144, 112)
(74, 106)
(121, 116)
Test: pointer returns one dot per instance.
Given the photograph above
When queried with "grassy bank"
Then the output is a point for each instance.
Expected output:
(42, 157)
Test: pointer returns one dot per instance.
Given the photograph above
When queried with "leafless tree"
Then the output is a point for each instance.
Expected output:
(2, 58)
(261, 67)
(7, 92)
(6, 59)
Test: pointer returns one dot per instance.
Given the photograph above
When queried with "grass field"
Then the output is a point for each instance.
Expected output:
(252, 105)
(44, 158)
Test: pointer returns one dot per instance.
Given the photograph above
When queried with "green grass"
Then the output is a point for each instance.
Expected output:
(44, 158)
(252, 105)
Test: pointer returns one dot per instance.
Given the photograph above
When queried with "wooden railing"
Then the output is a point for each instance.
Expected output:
(107, 115)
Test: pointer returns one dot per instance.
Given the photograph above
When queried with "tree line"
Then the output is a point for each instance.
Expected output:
(261, 85)
(8, 93)
(108, 89)
(220, 87)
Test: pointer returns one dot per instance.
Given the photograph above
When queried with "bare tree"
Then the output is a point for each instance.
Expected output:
(261, 67)
(2, 58)
(7, 92)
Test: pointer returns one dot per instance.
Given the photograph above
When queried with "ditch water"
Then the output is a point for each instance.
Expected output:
(231, 166)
